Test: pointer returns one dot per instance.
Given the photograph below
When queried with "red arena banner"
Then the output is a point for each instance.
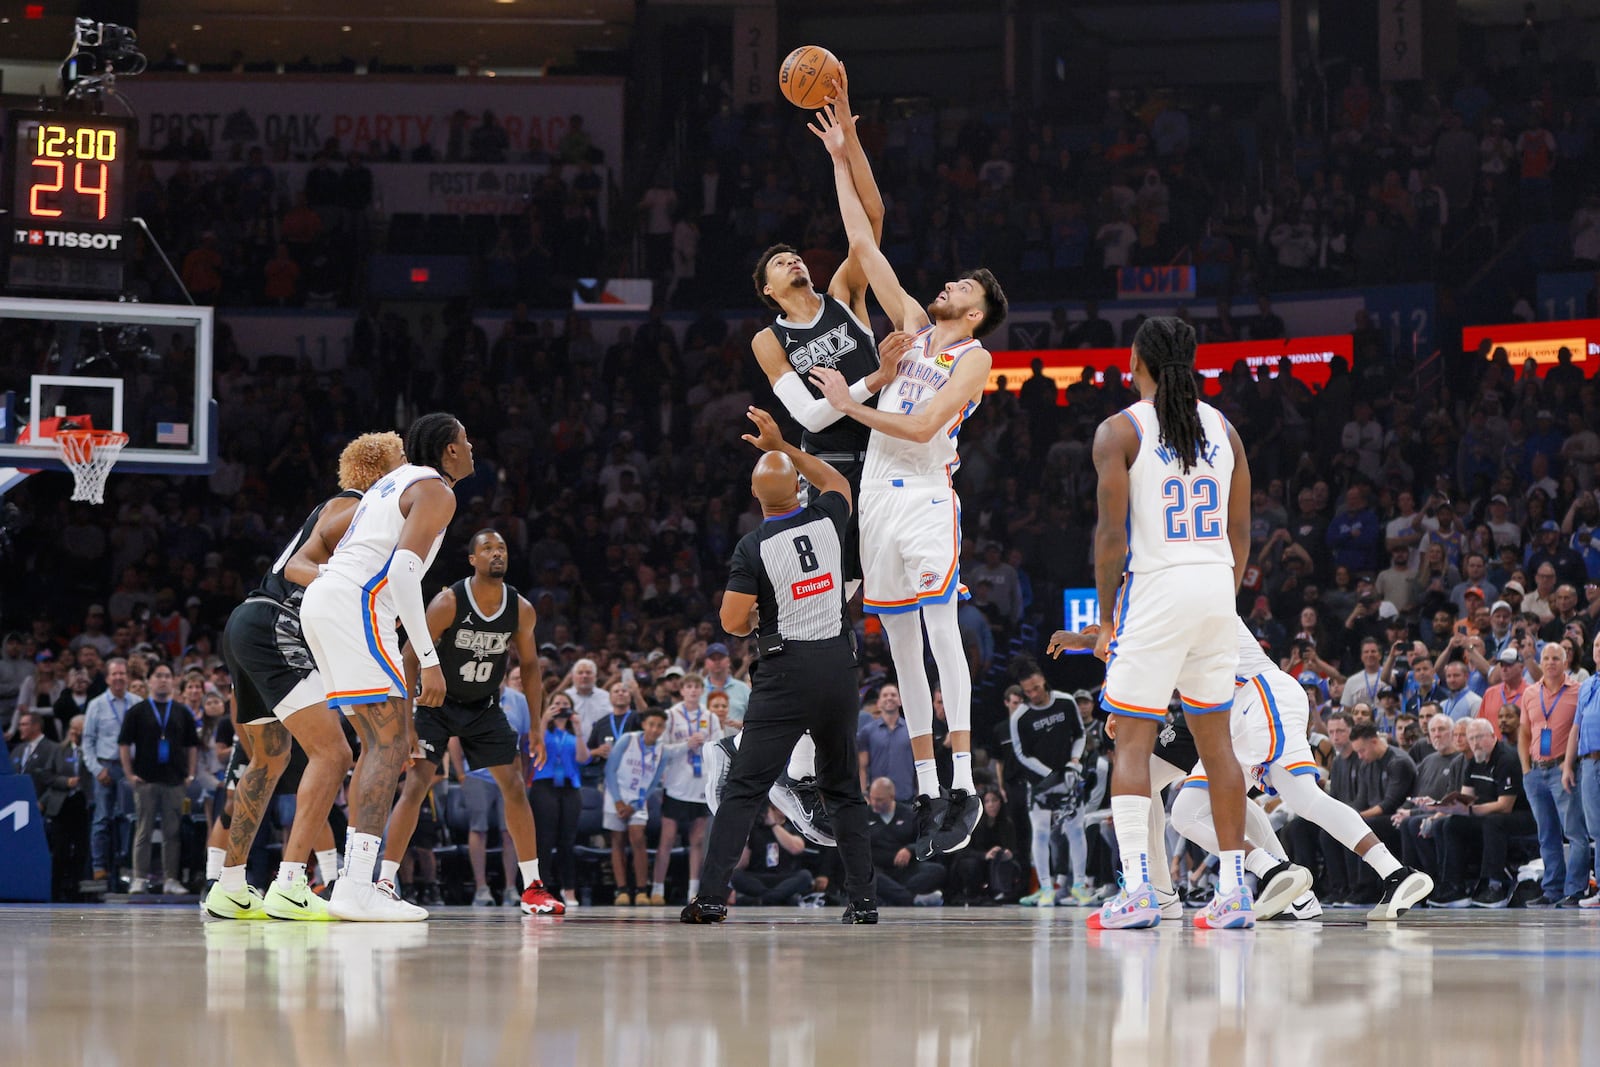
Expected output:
(1309, 361)
(1155, 283)
(1541, 342)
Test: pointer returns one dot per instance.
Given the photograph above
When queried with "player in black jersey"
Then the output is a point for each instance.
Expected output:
(824, 329)
(474, 624)
(280, 696)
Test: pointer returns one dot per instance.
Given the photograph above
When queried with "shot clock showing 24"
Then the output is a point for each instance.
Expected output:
(69, 183)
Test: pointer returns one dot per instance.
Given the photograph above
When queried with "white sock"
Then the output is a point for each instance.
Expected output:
(1061, 881)
(803, 760)
(1381, 860)
(288, 872)
(961, 774)
(927, 778)
(694, 888)
(215, 858)
(1230, 875)
(362, 856)
(390, 871)
(1130, 817)
(1258, 861)
(231, 879)
(328, 864)
(658, 889)
(530, 872)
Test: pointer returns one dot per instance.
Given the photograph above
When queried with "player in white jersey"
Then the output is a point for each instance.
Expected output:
(1270, 712)
(910, 516)
(349, 613)
(1171, 545)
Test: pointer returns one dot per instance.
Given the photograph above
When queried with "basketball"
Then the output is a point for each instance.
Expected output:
(805, 73)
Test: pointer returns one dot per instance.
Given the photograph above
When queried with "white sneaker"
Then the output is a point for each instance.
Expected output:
(138, 885)
(570, 901)
(173, 887)
(1171, 905)
(1306, 906)
(365, 902)
(483, 898)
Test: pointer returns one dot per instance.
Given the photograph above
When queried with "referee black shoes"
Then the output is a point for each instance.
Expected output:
(862, 911)
(703, 911)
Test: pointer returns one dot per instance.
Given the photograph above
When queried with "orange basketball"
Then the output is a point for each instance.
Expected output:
(804, 76)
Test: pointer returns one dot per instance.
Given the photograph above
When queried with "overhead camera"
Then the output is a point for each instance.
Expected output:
(100, 52)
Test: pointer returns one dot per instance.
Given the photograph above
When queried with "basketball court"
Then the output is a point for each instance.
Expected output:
(137, 985)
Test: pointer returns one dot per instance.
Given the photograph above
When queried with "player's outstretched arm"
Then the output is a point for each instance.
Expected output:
(1239, 509)
(330, 529)
(849, 283)
(905, 313)
(1114, 447)
(971, 375)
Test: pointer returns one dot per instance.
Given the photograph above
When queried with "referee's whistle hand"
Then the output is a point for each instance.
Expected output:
(431, 692)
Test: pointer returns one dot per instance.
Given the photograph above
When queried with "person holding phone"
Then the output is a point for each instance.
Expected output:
(556, 794)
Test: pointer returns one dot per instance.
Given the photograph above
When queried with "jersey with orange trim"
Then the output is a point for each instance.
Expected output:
(919, 376)
(1178, 519)
(363, 554)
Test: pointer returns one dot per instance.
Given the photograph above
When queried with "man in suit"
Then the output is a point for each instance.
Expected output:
(36, 756)
(892, 829)
(66, 812)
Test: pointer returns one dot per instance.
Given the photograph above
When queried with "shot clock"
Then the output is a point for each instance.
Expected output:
(68, 175)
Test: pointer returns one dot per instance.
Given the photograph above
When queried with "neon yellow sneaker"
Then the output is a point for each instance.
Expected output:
(296, 902)
(1044, 898)
(243, 903)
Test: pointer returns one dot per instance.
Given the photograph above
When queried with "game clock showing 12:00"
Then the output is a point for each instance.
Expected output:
(69, 173)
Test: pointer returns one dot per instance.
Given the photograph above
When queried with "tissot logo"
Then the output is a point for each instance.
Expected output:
(69, 239)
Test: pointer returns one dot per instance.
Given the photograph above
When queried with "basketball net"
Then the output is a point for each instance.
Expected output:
(90, 455)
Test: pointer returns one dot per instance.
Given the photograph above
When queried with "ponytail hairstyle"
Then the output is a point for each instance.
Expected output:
(1166, 346)
(428, 437)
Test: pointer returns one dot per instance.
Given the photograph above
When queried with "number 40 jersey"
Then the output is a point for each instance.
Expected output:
(1178, 519)
(472, 652)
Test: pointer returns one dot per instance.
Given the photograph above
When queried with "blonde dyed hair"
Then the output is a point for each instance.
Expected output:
(368, 458)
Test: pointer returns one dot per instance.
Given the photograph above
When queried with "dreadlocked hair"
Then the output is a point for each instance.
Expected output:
(1166, 346)
(428, 437)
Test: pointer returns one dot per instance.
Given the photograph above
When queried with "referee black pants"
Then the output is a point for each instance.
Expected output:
(810, 686)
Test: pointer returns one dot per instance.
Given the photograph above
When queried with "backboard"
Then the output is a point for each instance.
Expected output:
(145, 369)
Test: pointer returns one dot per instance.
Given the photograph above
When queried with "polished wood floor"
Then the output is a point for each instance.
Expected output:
(113, 986)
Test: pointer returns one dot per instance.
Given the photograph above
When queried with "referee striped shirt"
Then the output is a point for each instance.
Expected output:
(793, 565)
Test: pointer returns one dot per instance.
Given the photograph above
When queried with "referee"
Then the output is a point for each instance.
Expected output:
(786, 589)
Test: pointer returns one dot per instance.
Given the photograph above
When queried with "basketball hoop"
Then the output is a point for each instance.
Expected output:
(90, 455)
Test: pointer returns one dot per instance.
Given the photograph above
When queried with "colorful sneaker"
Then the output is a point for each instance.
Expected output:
(1044, 898)
(540, 901)
(1131, 909)
(1083, 895)
(1229, 911)
(296, 902)
(241, 904)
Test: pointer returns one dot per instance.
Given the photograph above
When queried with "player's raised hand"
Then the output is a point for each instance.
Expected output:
(767, 437)
(1072, 641)
(833, 386)
(839, 96)
(829, 130)
(890, 349)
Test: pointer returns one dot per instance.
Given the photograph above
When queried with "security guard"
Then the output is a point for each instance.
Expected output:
(786, 588)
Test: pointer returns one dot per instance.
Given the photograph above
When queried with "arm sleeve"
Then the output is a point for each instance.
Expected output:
(812, 412)
(744, 575)
(405, 578)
